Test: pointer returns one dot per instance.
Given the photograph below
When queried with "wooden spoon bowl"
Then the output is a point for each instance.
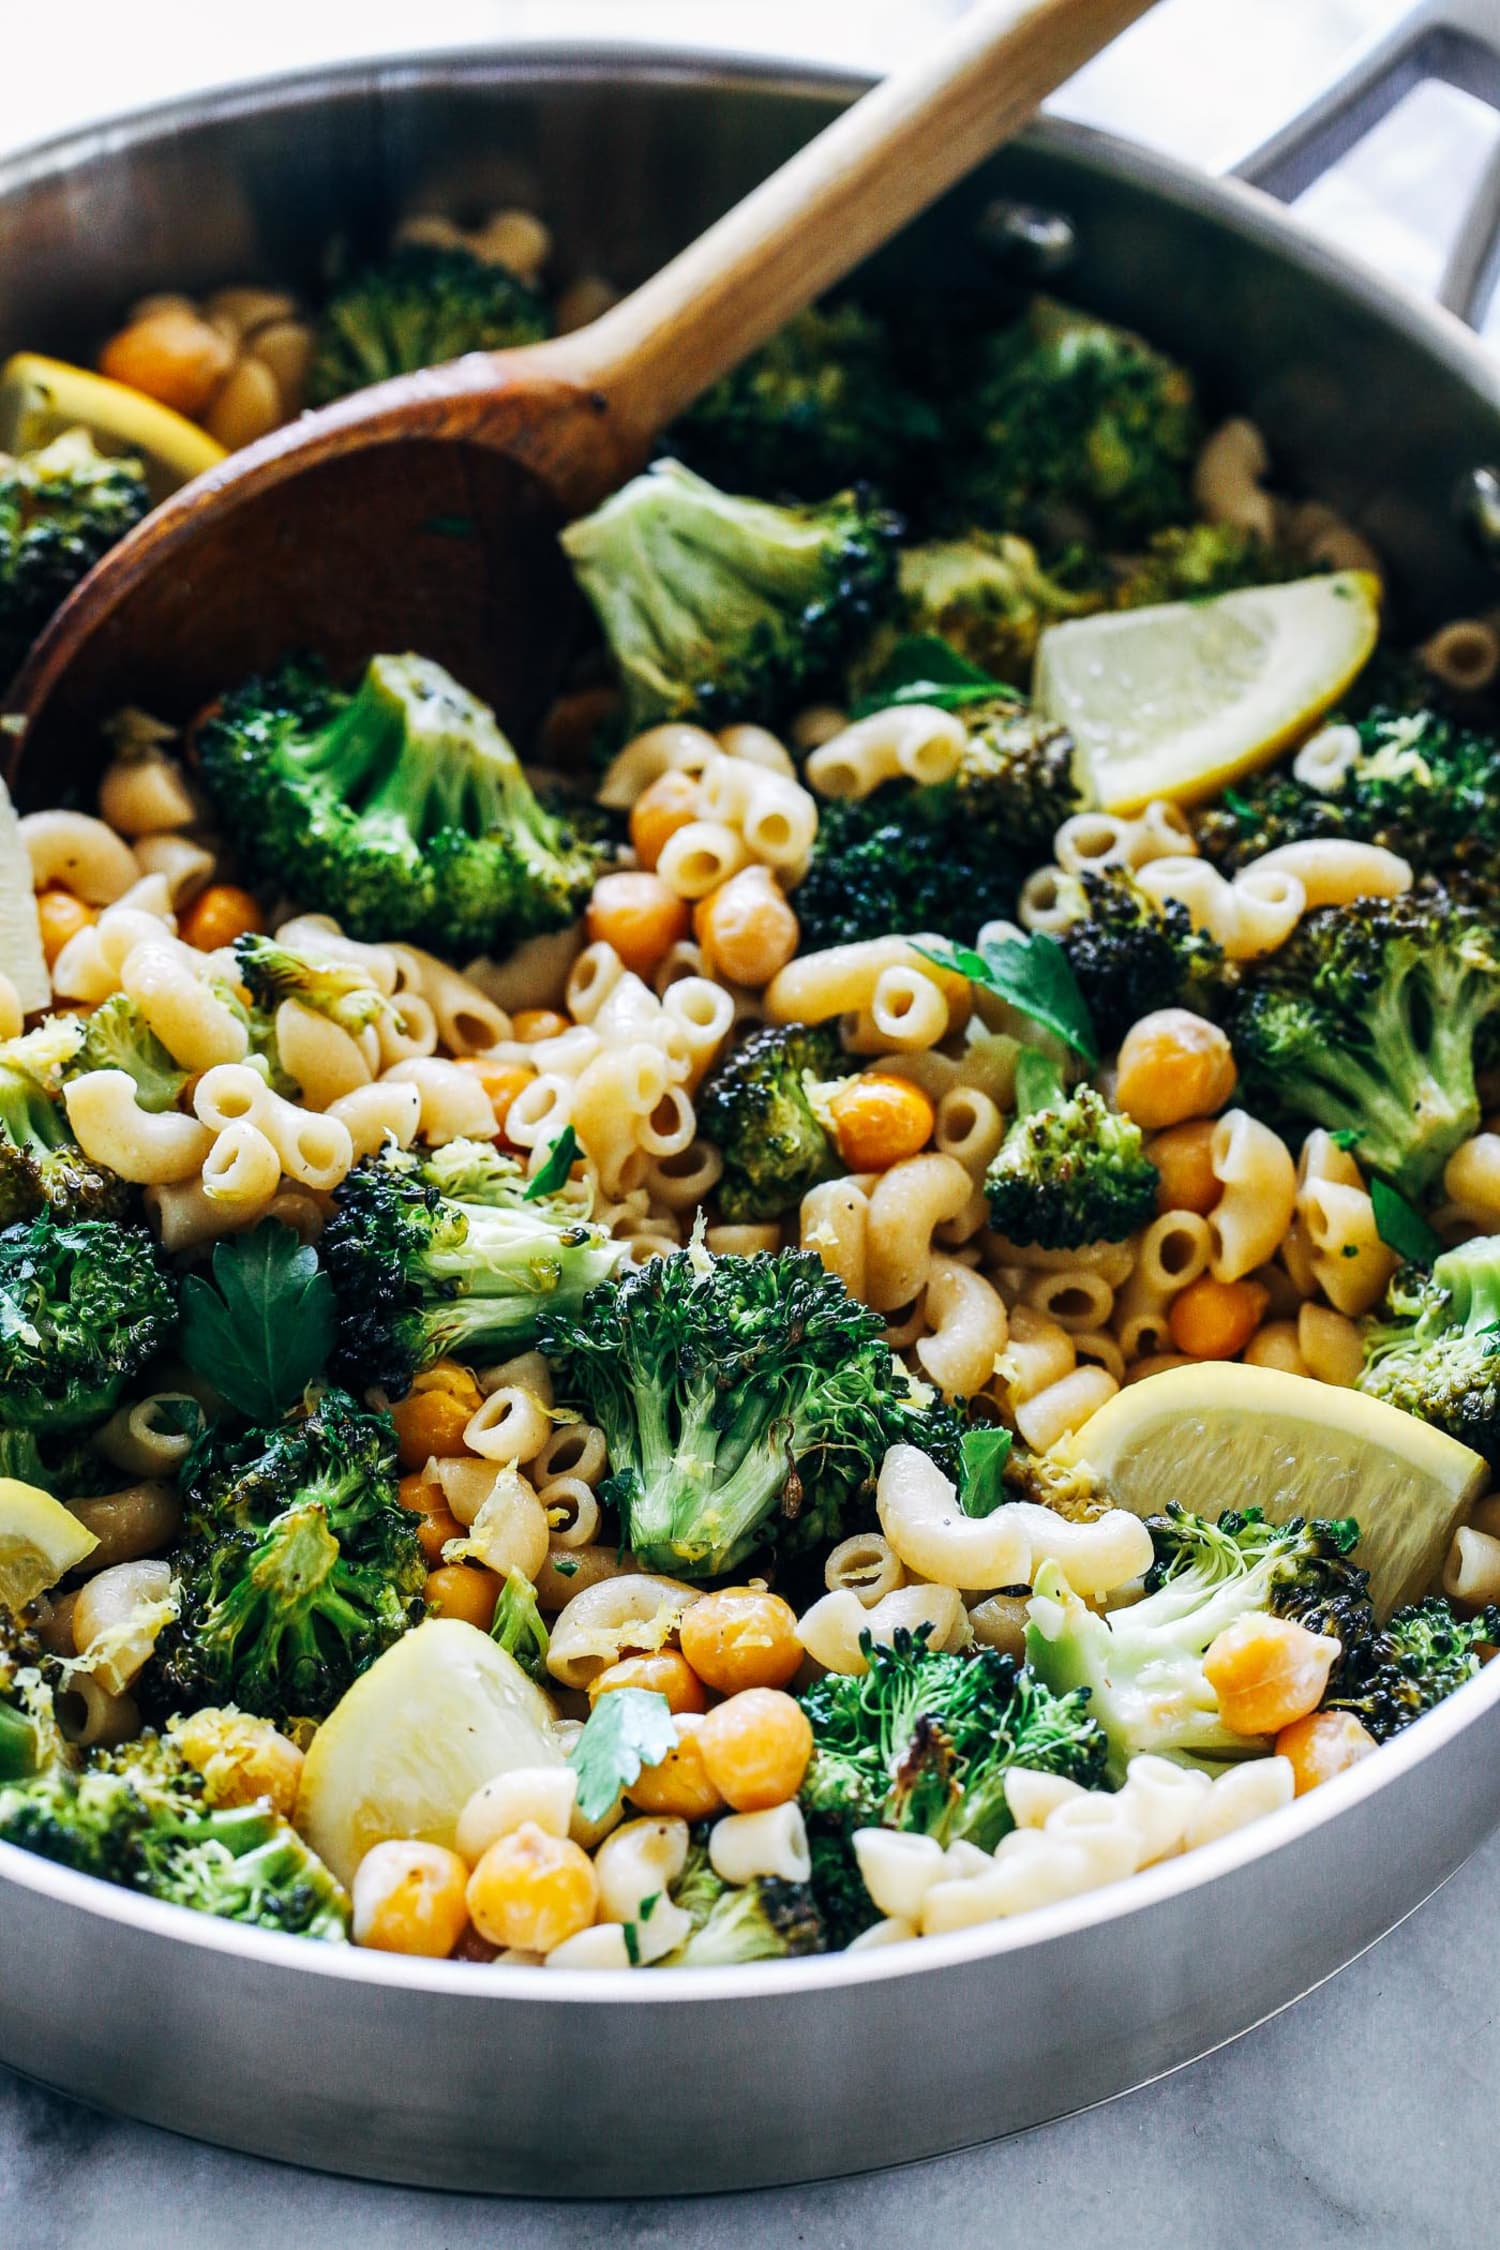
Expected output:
(422, 514)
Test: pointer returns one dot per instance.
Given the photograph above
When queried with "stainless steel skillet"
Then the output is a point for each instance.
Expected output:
(513, 2080)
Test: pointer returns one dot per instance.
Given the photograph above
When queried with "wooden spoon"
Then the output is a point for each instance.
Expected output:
(423, 513)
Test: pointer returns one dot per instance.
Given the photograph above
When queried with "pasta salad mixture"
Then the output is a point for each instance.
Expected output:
(864, 1297)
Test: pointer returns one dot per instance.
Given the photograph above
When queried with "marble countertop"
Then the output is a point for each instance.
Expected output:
(1365, 2115)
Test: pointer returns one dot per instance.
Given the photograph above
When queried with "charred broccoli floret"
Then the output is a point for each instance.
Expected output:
(986, 595)
(819, 407)
(744, 1401)
(1066, 415)
(717, 607)
(1132, 953)
(1143, 1664)
(1418, 780)
(923, 1741)
(62, 506)
(138, 1816)
(116, 1036)
(41, 1165)
(423, 305)
(758, 1108)
(1365, 1022)
(1401, 1669)
(1070, 1169)
(29, 1735)
(399, 808)
(420, 1274)
(85, 1305)
(1190, 561)
(1433, 1349)
(948, 857)
(297, 1567)
(766, 1919)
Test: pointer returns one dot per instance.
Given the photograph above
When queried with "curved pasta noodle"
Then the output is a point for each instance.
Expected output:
(832, 1629)
(906, 1206)
(920, 1516)
(85, 856)
(968, 1329)
(1259, 1194)
(110, 1126)
(916, 741)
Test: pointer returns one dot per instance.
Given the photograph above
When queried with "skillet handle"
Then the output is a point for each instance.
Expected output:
(1454, 41)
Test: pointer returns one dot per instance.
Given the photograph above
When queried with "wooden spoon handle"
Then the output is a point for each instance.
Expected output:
(833, 203)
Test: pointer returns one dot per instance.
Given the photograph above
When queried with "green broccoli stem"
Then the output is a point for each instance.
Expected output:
(1473, 1285)
(18, 1744)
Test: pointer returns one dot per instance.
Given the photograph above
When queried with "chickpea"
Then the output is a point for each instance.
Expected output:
(1267, 1671)
(538, 1023)
(1323, 1744)
(171, 354)
(219, 915)
(436, 1522)
(664, 806)
(746, 927)
(879, 1121)
(409, 1898)
(431, 1422)
(679, 1785)
(465, 1590)
(663, 1672)
(1216, 1319)
(636, 913)
(61, 917)
(1183, 1157)
(755, 1748)
(1174, 1065)
(532, 1890)
(741, 1637)
(501, 1081)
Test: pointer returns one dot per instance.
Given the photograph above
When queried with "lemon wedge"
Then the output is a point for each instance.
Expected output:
(39, 1540)
(40, 398)
(1179, 699)
(1230, 1436)
(440, 1713)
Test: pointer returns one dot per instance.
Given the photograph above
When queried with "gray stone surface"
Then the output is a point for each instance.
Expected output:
(1366, 2115)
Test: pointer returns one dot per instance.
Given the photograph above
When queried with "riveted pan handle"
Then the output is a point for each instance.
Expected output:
(1454, 41)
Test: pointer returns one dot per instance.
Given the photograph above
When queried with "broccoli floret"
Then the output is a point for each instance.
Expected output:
(766, 1919)
(717, 607)
(116, 1036)
(41, 1165)
(420, 1274)
(1191, 561)
(138, 1817)
(1365, 1022)
(478, 1172)
(923, 1741)
(518, 1628)
(844, 1905)
(1132, 953)
(400, 808)
(85, 1304)
(744, 1401)
(62, 506)
(29, 1736)
(421, 306)
(1422, 782)
(1409, 1664)
(297, 1567)
(948, 857)
(1064, 415)
(986, 595)
(818, 408)
(1070, 1170)
(335, 989)
(1143, 1664)
(758, 1110)
(1433, 1349)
